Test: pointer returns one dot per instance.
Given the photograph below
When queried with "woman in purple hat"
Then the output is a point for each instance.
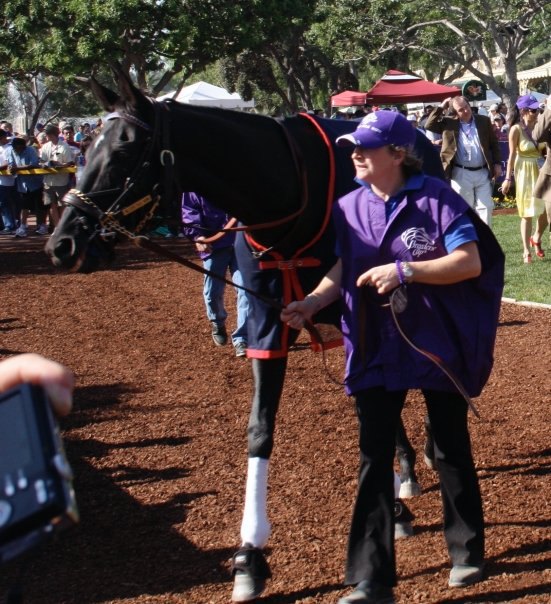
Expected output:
(402, 229)
(524, 155)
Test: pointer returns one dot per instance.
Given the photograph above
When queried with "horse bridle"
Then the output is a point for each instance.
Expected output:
(109, 219)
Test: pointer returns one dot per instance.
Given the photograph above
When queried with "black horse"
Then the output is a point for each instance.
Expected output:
(278, 177)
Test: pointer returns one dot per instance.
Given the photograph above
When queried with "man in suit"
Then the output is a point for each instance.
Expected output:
(469, 153)
(542, 134)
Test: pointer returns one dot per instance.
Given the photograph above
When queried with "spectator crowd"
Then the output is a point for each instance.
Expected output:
(36, 172)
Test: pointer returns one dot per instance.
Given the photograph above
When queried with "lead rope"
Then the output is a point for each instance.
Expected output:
(398, 303)
(146, 243)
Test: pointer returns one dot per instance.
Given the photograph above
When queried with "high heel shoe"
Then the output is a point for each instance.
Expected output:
(537, 246)
(528, 258)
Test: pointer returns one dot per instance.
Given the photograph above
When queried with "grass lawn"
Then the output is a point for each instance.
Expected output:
(523, 282)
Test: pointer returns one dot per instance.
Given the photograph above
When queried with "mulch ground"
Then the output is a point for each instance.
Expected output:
(157, 440)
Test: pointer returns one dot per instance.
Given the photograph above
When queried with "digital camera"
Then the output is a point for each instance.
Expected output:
(36, 491)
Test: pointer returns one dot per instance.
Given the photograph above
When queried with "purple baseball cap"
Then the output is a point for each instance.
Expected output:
(528, 101)
(379, 129)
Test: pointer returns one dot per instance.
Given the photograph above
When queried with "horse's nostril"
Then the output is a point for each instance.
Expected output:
(61, 249)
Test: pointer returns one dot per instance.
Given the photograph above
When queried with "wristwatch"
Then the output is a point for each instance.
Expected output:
(407, 271)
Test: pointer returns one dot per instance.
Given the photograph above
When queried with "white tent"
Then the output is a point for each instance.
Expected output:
(202, 93)
(529, 76)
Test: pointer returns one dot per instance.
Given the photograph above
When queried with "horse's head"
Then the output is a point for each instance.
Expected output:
(118, 186)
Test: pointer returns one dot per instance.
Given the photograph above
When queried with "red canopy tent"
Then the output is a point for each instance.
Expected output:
(348, 98)
(398, 87)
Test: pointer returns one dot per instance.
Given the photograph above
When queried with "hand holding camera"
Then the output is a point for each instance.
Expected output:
(36, 492)
(57, 380)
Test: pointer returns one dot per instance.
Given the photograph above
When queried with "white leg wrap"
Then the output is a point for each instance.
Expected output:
(255, 527)
(397, 485)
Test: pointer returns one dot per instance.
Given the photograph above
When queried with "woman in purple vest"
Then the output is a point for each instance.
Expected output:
(402, 228)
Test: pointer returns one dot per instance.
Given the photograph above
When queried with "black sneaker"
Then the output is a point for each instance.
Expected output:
(250, 571)
(240, 349)
(219, 334)
(369, 593)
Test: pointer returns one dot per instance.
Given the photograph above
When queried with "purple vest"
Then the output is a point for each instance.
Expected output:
(456, 322)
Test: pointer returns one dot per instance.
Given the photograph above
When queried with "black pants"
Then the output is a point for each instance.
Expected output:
(371, 542)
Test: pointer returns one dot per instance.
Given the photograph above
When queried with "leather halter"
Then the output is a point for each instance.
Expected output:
(109, 218)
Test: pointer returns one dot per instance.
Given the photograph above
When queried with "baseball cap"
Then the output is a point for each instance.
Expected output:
(494, 107)
(411, 117)
(528, 101)
(380, 129)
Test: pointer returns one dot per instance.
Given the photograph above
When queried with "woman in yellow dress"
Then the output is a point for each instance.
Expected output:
(524, 154)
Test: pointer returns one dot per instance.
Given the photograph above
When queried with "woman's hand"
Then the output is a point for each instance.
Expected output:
(505, 186)
(297, 313)
(384, 278)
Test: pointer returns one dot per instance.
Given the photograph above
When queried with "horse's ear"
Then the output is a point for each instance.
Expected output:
(127, 91)
(107, 98)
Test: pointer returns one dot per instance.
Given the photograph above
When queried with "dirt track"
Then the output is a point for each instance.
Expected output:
(157, 442)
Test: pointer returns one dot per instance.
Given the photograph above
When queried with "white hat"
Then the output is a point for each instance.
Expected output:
(412, 117)
(494, 107)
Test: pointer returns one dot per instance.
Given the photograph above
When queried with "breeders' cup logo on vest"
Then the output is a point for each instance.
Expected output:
(417, 240)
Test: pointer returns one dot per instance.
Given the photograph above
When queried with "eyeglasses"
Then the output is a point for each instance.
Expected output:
(533, 110)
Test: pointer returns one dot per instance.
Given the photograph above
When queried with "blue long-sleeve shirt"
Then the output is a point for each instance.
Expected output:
(202, 219)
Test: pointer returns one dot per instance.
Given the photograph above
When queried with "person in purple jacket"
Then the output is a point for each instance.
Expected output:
(403, 229)
(201, 222)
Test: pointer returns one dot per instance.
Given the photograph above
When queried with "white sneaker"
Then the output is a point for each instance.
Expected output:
(42, 230)
(21, 231)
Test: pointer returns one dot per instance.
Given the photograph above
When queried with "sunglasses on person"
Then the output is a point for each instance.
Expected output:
(533, 110)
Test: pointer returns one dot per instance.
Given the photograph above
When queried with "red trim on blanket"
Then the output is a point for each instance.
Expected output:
(266, 354)
(292, 289)
(330, 183)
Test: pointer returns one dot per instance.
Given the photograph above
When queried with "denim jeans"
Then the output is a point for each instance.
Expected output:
(7, 206)
(219, 262)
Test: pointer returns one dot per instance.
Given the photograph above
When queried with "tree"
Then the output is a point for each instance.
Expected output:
(155, 40)
(470, 34)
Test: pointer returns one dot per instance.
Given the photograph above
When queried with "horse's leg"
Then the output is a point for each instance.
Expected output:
(428, 452)
(403, 517)
(410, 487)
(250, 568)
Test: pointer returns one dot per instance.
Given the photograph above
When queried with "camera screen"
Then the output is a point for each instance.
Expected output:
(14, 436)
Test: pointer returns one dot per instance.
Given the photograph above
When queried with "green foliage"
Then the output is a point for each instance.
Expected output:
(523, 282)
(5, 108)
(287, 53)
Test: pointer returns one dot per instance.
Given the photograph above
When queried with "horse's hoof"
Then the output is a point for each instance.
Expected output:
(402, 520)
(250, 571)
(409, 489)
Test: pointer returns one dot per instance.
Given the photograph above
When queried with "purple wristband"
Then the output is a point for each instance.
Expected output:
(400, 272)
